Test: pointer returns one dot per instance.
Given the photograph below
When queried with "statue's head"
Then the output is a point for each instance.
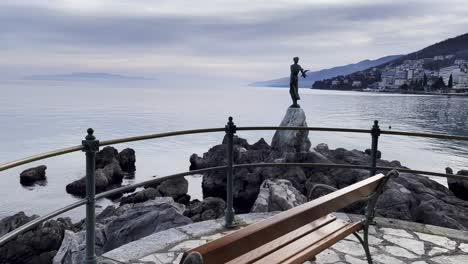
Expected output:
(296, 59)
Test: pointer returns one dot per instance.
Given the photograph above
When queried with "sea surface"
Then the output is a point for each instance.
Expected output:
(36, 117)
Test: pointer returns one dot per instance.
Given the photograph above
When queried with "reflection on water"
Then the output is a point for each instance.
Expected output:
(36, 118)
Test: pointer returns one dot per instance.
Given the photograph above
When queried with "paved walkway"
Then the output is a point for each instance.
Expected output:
(391, 242)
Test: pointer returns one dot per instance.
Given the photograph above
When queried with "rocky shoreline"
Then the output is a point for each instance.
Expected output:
(166, 205)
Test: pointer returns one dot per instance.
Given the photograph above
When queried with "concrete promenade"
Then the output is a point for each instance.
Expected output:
(391, 241)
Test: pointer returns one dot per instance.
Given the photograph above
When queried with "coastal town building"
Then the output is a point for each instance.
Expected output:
(357, 84)
(445, 73)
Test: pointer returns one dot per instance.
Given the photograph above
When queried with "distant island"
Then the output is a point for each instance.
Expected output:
(327, 73)
(84, 76)
(441, 68)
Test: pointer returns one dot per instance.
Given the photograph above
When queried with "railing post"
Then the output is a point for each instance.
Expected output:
(230, 129)
(90, 146)
(375, 132)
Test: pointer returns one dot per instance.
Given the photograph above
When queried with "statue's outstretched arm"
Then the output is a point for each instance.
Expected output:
(304, 75)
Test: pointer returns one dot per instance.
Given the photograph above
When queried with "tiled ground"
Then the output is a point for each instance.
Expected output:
(388, 245)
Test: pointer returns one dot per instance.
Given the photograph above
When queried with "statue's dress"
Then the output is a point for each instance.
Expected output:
(293, 83)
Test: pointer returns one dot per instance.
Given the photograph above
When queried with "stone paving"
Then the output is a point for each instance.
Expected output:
(391, 242)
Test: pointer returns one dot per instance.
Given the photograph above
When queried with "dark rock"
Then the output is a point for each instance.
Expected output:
(238, 141)
(106, 156)
(127, 160)
(33, 175)
(184, 199)
(369, 152)
(123, 225)
(175, 187)
(420, 199)
(261, 145)
(37, 245)
(141, 196)
(458, 187)
(106, 178)
(209, 208)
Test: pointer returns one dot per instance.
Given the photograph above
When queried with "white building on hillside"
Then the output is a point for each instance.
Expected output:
(462, 81)
(451, 70)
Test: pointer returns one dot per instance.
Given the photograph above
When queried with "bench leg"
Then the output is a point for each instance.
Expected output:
(365, 243)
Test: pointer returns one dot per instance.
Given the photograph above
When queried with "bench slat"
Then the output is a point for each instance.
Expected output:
(256, 235)
(323, 244)
(282, 241)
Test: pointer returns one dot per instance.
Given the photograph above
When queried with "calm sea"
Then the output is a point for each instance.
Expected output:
(36, 117)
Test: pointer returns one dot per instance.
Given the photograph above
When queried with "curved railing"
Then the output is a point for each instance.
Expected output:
(90, 145)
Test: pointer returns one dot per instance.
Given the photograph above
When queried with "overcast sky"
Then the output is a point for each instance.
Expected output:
(244, 39)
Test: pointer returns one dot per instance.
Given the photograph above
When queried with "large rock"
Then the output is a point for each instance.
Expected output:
(106, 156)
(247, 181)
(141, 196)
(277, 195)
(458, 187)
(417, 198)
(175, 188)
(106, 178)
(292, 140)
(127, 160)
(123, 225)
(38, 245)
(209, 208)
(33, 175)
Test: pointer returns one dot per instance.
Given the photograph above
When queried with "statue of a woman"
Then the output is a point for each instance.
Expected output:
(293, 83)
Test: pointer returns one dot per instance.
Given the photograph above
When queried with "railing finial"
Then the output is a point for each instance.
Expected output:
(90, 135)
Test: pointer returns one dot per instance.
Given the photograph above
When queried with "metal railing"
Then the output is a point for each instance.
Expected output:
(91, 146)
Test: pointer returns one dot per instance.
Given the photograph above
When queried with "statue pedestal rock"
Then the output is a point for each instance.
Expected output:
(292, 140)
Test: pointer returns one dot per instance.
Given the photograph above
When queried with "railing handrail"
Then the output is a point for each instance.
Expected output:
(7, 237)
(62, 151)
(90, 146)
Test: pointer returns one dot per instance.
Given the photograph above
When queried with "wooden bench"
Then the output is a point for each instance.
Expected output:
(298, 234)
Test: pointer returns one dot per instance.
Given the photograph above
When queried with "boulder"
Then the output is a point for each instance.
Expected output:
(369, 152)
(38, 245)
(106, 156)
(127, 160)
(417, 198)
(292, 140)
(106, 178)
(125, 224)
(175, 187)
(31, 176)
(209, 208)
(141, 196)
(458, 187)
(277, 195)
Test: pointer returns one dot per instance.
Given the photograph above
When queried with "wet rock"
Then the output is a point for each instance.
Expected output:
(106, 156)
(141, 196)
(175, 187)
(458, 187)
(209, 208)
(292, 140)
(31, 176)
(277, 195)
(106, 178)
(127, 160)
(369, 152)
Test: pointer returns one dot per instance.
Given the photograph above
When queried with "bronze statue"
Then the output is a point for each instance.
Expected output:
(293, 83)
